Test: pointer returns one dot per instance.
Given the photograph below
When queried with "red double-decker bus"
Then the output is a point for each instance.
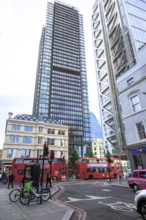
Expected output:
(59, 168)
(97, 168)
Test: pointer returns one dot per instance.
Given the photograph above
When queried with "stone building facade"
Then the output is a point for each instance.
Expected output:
(25, 136)
(132, 95)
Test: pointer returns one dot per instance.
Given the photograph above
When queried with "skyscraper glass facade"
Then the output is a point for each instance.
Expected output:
(96, 131)
(118, 31)
(61, 82)
(136, 10)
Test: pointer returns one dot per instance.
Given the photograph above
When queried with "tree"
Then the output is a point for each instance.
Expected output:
(108, 156)
(89, 152)
(73, 158)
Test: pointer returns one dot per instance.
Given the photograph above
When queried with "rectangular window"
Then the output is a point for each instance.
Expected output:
(135, 174)
(27, 140)
(28, 128)
(40, 129)
(15, 127)
(51, 131)
(141, 130)
(60, 132)
(11, 139)
(142, 175)
(39, 152)
(130, 81)
(14, 154)
(19, 161)
(22, 153)
(61, 142)
(14, 139)
(50, 141)
(135, 103)
(9, 153)
(40, 140)
(25, 153)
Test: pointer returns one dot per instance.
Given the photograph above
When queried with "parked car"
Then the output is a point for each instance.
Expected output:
(137, 180)
(140, 202)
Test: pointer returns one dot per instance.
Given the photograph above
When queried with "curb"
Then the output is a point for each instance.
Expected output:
(68, 215)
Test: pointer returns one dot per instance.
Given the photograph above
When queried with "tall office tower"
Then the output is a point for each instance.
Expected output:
(61, 81)
(96, 131)
(118, 31)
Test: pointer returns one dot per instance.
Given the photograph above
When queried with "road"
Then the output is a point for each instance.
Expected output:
(93, 200)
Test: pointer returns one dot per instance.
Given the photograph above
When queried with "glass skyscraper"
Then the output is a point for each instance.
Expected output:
(61, 81)
(119, 29)
(96, 131)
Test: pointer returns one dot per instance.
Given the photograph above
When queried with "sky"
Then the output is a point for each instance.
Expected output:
(21, 23)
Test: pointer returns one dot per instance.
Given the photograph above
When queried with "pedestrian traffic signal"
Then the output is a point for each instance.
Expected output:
(52, 155)
(45, 150)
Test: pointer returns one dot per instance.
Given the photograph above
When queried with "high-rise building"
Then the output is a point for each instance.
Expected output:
(118, 31)
(96, 131)
(61, 81)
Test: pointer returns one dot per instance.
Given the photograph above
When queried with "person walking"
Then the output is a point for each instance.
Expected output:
(4, 178)
(127, 175)
(10, 179)
(48, 180)
(118, 176)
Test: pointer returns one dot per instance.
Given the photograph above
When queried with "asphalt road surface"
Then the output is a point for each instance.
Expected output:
(96, 201)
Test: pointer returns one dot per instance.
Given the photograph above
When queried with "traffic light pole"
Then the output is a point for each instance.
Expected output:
(50, 161)
(50, 173)
(45, 153)
(42, 176)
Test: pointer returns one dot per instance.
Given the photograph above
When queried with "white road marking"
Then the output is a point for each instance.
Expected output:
(120, 206)
(71, 199)
(106, 190)
(97, 197)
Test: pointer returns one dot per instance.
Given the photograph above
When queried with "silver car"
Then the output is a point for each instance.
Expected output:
(140, 202)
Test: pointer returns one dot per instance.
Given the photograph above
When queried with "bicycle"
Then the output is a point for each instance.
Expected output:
(15, 194)
(35, 194)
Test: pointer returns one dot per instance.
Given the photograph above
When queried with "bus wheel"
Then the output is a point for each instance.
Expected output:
(90, 177)
(54, 178)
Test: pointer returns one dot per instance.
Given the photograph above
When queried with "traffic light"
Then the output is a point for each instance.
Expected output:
(63, 159)
(109, 160)
(52, 155)
(45, 150)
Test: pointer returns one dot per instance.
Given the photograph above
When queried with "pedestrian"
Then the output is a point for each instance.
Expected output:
(48, 180)
(118, 176)
(10, 179)
(4, 178)
(127, 175)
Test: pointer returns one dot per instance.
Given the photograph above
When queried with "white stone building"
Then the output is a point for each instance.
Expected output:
(132, 96)
(25, 136)
(97, 148)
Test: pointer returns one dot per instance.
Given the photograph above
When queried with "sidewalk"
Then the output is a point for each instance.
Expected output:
(49, 210)
(123, 183)
(114, 182)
